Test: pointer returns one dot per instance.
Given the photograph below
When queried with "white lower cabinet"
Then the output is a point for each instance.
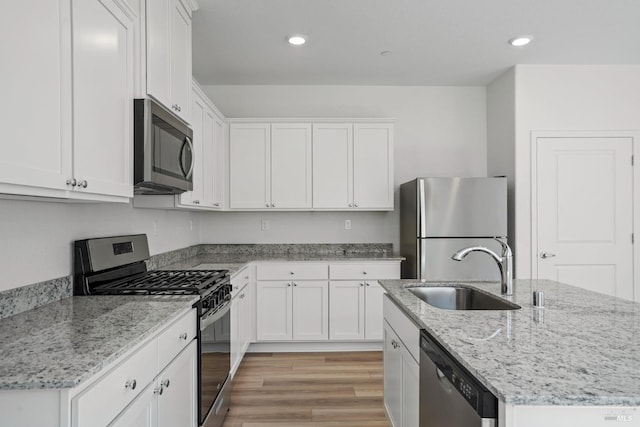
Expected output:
(170, 400)
(355, 306)
(401, 370)
(242, 316)
(292, 310)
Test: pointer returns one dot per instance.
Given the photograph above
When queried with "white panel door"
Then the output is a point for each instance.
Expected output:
(392, 376)
(274, 311)
(250, 166)
(410, 390)
(178, 402)
(373, 311)
(347, 310)
(218, 162)
(103, 60)
(311, 310)
(158, 45)
(290, 165)
(332, 166)
(584, 213)
(33, 155)
(180, 58)
(209, 159)
(141, 413)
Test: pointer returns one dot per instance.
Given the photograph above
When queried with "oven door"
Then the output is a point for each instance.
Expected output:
(215, 361)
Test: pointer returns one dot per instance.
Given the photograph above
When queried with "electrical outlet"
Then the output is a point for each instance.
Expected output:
(264, 225)
(347, 224)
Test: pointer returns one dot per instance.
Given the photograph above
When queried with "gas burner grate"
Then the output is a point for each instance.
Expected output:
(165, 282)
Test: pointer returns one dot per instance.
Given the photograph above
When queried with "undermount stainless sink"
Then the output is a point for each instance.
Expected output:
(460, 298)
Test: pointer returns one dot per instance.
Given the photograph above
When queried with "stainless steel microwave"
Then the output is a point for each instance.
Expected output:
(163, 150)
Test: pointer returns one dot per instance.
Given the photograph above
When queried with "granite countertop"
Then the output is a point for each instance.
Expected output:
(582, 349)
(61, 344)
(236, 261)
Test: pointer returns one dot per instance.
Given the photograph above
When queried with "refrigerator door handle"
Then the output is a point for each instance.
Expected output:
(422, 259)
(422, 209)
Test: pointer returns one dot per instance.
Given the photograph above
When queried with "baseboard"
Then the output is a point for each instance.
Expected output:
(280, 347)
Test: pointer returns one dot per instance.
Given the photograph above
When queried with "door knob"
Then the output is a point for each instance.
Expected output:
(545, 255)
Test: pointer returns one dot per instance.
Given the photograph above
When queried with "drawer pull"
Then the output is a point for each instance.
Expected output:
(291, 273)
(183, 336)
(364, 272)
(158, 391)
(361, 284)
(165, 383)
(130, 384)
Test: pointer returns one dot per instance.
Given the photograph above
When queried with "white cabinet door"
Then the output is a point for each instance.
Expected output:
(36, 155)
(246, 322)
(218, 162)
(177, 403)
(332, 166)
(236, 319)
(290, 165)
(392, 376)
(102, 97)
(198, 114)
(250, 166)
(158, 45)
(169, 55)
(347, 310)
(180, 58)
(142, 412)
(311, 310)
(373, 311)
(410, 390)
(373, 166)
(274, 311)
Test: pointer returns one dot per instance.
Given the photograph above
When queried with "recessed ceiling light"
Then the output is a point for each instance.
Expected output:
(297, 39)
(520, 41)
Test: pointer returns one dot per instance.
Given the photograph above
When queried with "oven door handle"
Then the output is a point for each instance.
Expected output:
(213, 318)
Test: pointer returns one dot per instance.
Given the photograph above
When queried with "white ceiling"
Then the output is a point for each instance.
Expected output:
(433, 42)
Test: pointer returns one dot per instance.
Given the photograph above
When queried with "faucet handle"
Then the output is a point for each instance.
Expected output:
(506, 250)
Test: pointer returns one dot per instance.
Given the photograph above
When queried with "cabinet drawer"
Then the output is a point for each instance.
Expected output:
(240, 279)
(406, 330)
(102, 402)
(175, 338)
(293, 270)
(367, 271)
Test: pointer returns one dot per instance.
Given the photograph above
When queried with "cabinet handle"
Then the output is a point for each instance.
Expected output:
(288, 284)
(368, 284)
(179, 108)
(364, 272)
(83, 184)
(273, 205)
(130, 384)
(350, 205)
(72, 182)
(183, 336)
(361, 284)
(197, 202)
(165, 383)
(241, 296)
(158, 391)
(295, 284)
(174, 107)
(356, 205)
(267, 204)
(216, 204)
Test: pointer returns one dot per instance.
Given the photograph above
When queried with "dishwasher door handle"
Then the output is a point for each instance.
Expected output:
(444, 382)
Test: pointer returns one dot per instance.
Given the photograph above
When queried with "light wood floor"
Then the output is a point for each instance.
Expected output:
(308, 390)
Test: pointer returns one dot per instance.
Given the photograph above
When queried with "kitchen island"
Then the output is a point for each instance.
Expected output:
(574, 362)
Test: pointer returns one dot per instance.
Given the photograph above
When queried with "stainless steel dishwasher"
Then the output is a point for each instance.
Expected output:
(449, 395)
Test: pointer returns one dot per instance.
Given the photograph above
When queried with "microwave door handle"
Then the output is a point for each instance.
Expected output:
(188, 141)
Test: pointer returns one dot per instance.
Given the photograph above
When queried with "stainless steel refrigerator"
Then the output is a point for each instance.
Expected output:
(439, 216)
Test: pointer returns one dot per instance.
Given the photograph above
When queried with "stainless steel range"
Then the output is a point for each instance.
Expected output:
(116, 266)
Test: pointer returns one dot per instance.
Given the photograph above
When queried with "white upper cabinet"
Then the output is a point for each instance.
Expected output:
(250, 166)
(270, 166)
(79, 145)
(324, 166)
(333, 166)
(353, 166)
(373, 166)
(103, 56)
(290, 165)
(169, 54)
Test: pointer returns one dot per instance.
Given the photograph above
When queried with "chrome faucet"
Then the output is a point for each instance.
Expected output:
(504, 261)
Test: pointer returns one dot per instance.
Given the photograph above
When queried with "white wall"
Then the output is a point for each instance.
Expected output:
(439, 131)
(36, 237)
(565, 98)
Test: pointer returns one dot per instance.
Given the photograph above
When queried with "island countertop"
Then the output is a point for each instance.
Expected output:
(582, 349)
(59, 345)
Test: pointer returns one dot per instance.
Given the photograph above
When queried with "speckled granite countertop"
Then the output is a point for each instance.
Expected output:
(235, 262)
(584, 351)
(61, 344)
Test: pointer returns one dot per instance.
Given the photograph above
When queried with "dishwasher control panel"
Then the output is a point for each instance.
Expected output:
(467, 390)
